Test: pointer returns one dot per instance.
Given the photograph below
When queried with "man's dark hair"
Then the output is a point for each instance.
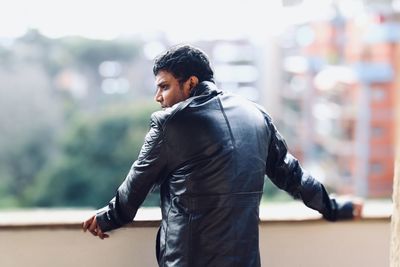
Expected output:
(184, 61)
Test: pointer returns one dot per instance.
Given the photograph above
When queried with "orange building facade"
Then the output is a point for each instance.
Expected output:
(348, 73)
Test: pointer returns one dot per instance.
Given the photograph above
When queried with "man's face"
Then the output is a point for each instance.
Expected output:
(169, 91)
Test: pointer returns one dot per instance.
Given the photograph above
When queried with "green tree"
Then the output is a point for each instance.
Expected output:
(30, 120)
(97, 154)
(93, 52)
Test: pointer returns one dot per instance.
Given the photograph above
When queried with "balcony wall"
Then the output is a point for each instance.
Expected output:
(55, 239)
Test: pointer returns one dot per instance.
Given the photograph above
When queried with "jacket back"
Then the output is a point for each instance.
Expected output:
(216, 148)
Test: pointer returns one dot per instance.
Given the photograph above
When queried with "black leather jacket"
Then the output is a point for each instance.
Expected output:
(209, 155)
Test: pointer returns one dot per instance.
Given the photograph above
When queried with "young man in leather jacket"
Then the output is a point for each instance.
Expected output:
(209, 151)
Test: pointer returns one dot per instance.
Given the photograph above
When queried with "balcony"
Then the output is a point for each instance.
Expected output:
(290, 236)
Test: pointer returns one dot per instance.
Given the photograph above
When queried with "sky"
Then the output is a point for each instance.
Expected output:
(179, 19)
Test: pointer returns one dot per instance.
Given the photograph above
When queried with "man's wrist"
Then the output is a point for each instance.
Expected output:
(105, 221)
(345, 210)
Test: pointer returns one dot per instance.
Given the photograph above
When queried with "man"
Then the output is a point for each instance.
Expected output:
(208, 151)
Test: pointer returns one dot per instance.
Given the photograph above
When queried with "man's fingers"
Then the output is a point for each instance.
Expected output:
(101, 234)
(358, 211)
(93, 227)
(87, 223)
(357, 208)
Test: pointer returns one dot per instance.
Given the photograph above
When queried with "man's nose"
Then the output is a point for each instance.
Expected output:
(158, 96)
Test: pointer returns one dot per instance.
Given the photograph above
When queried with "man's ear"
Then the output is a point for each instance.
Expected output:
(192, 82)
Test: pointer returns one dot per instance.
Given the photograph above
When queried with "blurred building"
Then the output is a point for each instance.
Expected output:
(338, 94)
(235, 66)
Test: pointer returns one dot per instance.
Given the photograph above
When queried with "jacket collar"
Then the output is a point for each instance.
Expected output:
(204, 88)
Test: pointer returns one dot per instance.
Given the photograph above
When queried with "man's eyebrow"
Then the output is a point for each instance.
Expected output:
(161, 83)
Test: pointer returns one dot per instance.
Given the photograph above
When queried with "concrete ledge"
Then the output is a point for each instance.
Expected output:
(289, 236)
(288, 212)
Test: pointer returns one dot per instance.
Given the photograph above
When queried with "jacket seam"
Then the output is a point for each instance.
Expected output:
(231, 135)
(227, 122)
(190, 240)
(165, 236)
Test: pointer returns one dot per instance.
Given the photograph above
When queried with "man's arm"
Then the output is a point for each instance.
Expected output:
(286, 172)
(144, 173)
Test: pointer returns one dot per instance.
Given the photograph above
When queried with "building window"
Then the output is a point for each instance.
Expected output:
(377, 132)
(376, 168)
(378, 94)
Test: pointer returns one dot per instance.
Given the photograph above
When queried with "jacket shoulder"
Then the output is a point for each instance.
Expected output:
(255, 107)
(161, 117)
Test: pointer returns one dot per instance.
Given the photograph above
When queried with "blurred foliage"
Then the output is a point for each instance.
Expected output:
(93, 52)
(30, 120)
(55, 146)
(273, 193)
(96, 155)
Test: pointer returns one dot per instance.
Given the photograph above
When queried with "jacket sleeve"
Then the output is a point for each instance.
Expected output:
(143, 175)
(286, 173)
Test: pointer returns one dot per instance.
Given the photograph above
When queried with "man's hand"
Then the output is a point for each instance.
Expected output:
(349, 207)
(357, 208)
(91, 225)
